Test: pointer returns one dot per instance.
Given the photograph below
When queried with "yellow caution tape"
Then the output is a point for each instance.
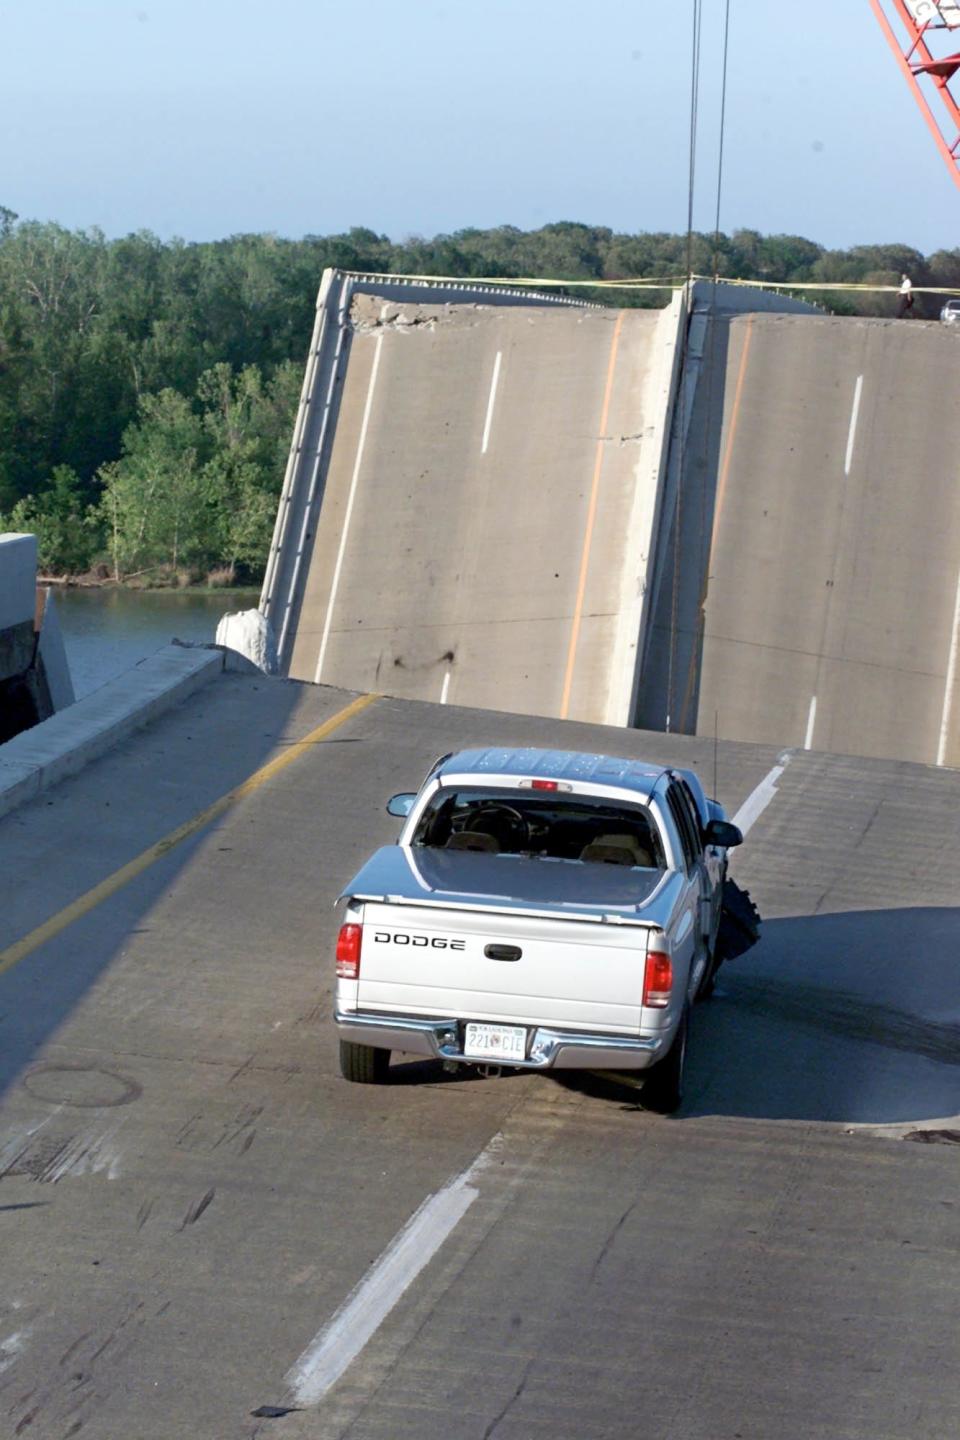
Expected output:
(660, 282)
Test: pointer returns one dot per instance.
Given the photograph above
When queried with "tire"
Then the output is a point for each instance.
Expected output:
(663, 1087)
(740, 922)
(709, 982)
(363, 1064)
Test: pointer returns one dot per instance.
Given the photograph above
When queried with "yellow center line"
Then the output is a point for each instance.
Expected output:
(591, 517)
(87, 902)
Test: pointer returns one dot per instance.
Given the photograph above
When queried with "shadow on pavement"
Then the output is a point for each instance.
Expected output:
(852, 1018)
(110, 797)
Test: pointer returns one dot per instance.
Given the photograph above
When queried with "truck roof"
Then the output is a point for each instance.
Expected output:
(555, 765)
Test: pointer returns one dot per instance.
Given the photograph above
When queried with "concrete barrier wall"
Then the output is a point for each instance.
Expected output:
(62, 745)
(34, 674)
(51, 651)
(18, 578)
(18, 592)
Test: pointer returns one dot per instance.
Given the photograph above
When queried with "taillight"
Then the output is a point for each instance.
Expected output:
(657, 980)
(348, 951)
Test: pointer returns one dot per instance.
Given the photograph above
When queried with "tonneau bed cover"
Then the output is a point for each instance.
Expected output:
(404, 875)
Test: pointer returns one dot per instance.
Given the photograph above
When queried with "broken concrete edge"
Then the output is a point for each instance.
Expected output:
(51, 651)
(18, 578)
(39, 758)
(247, 635)
(718, 298)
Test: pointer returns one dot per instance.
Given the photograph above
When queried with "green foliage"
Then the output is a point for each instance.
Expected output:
(67, 529)
(243, 420)
(196, 484)
(155, 502)
(147, 390)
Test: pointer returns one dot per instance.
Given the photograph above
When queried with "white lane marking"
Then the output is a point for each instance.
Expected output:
(10, 1347)
(853, 425)
(349, 511)
(445, 688)
(811, 721)
(364, 1310)
(493, 396)
(756, 802)
(948, 689)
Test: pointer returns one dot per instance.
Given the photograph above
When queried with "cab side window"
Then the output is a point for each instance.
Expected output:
(683, 820)
(692, 807)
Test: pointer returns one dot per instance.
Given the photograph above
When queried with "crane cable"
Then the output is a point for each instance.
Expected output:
(723, 123)
(694, 109)
(706, 531)
(697, 18)
(696, 638)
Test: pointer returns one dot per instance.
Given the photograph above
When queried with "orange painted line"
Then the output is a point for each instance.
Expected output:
(591, 518)
(731, 435)
(88, 901)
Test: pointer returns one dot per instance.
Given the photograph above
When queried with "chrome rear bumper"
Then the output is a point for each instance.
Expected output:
(546, 1049)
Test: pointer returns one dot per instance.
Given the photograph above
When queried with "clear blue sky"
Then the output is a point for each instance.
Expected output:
(204, 118)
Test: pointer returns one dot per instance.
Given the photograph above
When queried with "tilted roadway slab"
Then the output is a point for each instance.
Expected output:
(188, 1192)
(475, 541)
(833, 603)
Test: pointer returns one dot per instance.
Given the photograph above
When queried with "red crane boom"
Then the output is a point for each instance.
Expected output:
(922, 23)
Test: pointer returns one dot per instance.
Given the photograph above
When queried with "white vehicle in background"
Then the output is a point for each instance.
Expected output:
(541, 909)
(950, 314)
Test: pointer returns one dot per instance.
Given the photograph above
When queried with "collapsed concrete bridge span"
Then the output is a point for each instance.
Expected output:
(815, 602)
(733, 513)
(471, 496)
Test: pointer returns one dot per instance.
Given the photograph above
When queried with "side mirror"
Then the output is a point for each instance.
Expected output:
(723, 833)
(400, 805)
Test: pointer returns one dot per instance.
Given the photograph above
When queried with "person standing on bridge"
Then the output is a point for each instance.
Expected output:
(905, 305)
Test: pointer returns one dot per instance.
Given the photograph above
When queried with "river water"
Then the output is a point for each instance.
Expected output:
(107, 631)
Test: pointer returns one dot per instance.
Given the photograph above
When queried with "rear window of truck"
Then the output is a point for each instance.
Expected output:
(549, 826)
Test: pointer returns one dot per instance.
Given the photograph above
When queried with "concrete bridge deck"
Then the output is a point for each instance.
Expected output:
(817, 598)
(189, 1192)
(476, 522)
(492, 521)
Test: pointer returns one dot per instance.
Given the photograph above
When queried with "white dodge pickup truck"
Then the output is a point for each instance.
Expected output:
(541, 909)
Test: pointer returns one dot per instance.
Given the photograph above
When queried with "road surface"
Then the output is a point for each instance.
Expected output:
(189, 1194)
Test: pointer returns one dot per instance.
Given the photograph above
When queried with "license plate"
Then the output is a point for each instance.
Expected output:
(495, 1042)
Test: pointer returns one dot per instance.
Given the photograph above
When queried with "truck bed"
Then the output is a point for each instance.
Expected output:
(403, 875)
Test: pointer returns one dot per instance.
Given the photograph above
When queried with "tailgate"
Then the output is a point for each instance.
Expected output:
(420, 960)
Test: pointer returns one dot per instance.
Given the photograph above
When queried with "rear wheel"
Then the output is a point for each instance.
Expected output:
(663, 1086)
(709, 982)
(363, 1064)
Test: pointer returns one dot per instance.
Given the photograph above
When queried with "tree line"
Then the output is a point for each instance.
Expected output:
(148, 388)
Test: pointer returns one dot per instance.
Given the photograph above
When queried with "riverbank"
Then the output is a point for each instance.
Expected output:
(137, 585)
(109, 629)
